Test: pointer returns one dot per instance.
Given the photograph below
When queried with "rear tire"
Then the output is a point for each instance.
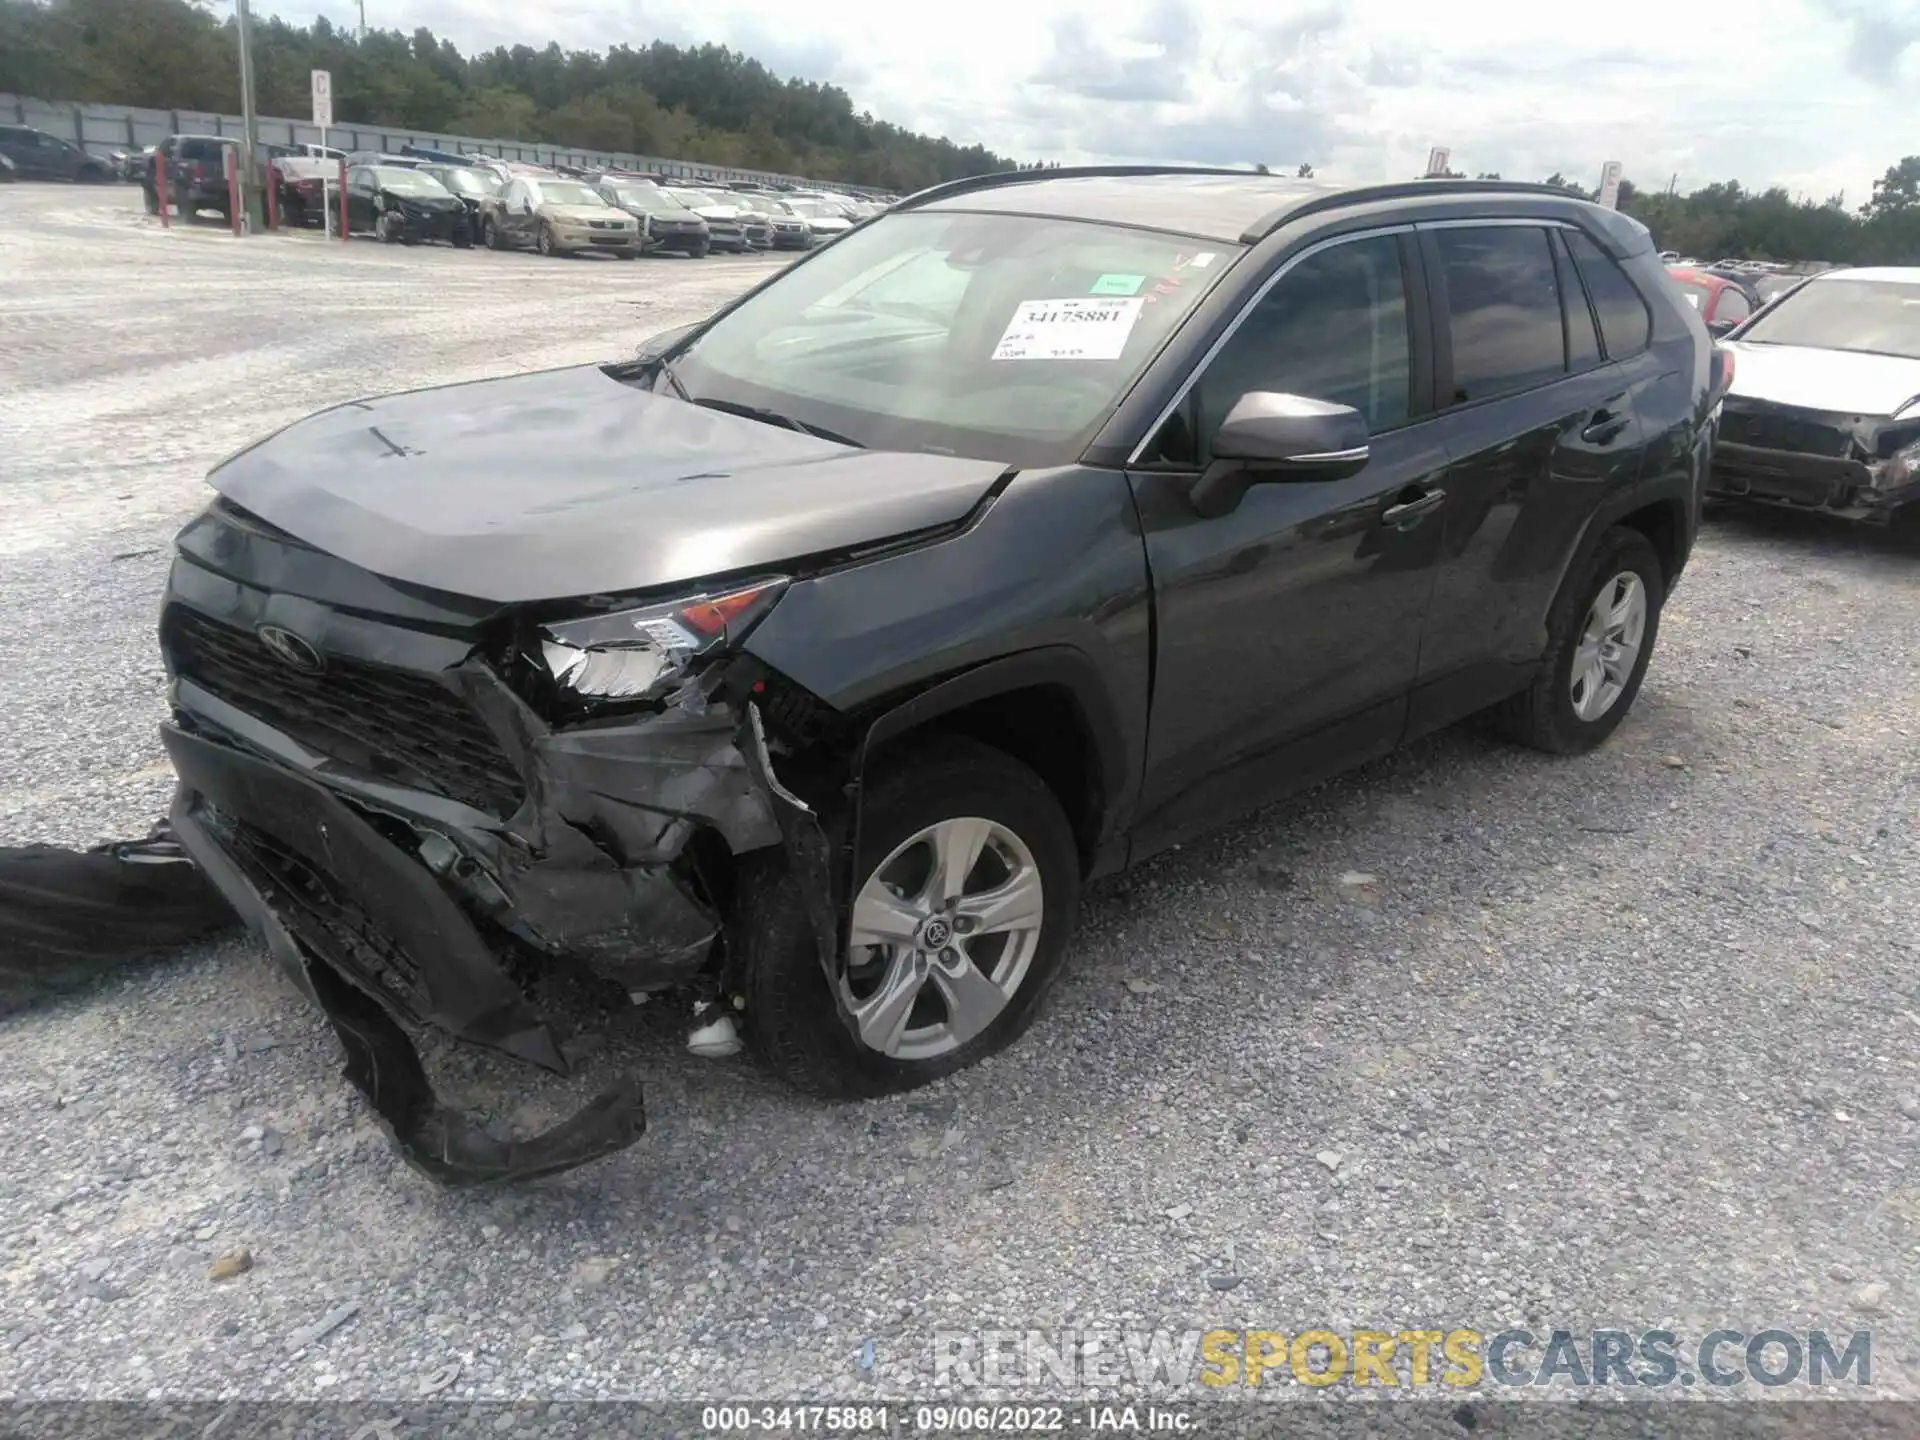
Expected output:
(152, 201)
(791, 1017)
(1547, 714)
(490, 236)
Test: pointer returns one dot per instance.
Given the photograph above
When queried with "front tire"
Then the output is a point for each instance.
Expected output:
(965, 893)
(546, 244)
(491, 237)
(1599, 639)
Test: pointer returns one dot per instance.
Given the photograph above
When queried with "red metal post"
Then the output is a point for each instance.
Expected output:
(273, 199)
(233, 185)
(160, 189)
(343, 201)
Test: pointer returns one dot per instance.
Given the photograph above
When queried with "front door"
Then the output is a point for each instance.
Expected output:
(1288, 630)
(360, 193)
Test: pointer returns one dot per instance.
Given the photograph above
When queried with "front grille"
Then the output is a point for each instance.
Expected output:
(322, 916)
(392, 723)
(1781, 429)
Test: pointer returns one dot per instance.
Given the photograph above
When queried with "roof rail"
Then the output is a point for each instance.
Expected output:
(998, 178)
(1397, 190)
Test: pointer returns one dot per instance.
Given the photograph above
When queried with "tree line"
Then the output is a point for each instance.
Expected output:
(1726, 220)
(703, 103)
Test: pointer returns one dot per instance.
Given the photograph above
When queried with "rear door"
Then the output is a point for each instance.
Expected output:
(517, 211)
(1539, 423)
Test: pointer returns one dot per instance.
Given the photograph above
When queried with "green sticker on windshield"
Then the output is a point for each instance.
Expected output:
(1118, 285)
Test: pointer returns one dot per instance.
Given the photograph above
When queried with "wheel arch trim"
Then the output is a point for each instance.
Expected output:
(1055, 667)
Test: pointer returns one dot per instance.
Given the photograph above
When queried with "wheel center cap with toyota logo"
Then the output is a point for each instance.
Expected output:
(290, 650)
(935, 933)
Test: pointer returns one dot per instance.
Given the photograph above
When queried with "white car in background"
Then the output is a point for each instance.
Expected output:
(825, 221)
(1824, 410)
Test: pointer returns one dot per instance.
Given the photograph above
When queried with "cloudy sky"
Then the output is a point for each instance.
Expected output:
(1817, 95)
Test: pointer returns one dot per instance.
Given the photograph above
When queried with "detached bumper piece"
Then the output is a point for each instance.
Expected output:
(69, 916)
(369, 935)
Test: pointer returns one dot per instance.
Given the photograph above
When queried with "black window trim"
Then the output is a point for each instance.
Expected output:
(1562, 251)
(1598, 328)
(1421, 338)
(1442, 321)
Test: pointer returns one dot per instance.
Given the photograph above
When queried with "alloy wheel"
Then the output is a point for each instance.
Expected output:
(1609, 646)
(943, 934)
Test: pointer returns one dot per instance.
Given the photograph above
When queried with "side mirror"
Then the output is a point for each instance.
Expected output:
(656, 347)
(1718, 328)
(1271, 437)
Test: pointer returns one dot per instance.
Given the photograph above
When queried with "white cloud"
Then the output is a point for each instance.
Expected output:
(1817, 95)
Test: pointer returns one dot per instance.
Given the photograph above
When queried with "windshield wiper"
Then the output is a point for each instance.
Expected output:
(771, 417)
(665, 371)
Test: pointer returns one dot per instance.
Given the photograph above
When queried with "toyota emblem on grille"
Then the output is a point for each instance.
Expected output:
(291, 650)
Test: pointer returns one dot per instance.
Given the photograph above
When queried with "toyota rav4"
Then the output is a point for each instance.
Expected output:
(813, 660)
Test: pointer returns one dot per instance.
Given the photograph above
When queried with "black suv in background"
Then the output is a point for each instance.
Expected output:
(196, 175)
(36, 155)
(814, 659)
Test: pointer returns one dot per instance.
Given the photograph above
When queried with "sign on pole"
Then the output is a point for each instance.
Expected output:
(1610, 185)
(323, 102)
(1437, 159)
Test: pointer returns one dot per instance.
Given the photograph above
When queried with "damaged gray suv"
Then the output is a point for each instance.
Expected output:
(811, 662)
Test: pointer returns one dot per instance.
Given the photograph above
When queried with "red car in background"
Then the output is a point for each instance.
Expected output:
(1722, 302)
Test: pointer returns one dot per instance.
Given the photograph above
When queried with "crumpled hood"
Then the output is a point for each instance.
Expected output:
(1840, 381)
(568, 482)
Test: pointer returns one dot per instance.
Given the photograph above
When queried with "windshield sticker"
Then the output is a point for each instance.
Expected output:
(1693, 300)
(1118, 285)
(1069, 329)
(1201, 261)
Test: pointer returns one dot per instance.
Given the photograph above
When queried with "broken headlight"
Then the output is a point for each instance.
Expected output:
(1900, 468)
(640, 654)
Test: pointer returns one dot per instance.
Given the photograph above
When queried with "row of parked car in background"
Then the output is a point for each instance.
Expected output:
(463, 200)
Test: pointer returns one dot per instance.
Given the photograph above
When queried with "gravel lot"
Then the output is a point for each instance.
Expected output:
(1629, 1040)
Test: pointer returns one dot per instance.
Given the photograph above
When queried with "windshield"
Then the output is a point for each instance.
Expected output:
(467, 181)
(407, 182)
(1873, 317)
(1003, 337)
(568, 192)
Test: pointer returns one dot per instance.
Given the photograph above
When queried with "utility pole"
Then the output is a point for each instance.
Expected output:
(251, 198)
(363, 19)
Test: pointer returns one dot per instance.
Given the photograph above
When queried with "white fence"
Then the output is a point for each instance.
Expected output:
(104, 128)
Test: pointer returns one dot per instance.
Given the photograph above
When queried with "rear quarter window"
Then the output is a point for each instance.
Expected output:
(1626, 324)
(200, 149)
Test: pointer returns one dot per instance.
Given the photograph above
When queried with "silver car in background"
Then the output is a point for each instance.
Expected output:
(726, 227)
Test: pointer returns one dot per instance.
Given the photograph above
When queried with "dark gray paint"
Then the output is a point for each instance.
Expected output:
(567, 482)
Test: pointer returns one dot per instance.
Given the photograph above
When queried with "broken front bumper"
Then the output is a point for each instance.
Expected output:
(1843, 487)
(418, 849)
